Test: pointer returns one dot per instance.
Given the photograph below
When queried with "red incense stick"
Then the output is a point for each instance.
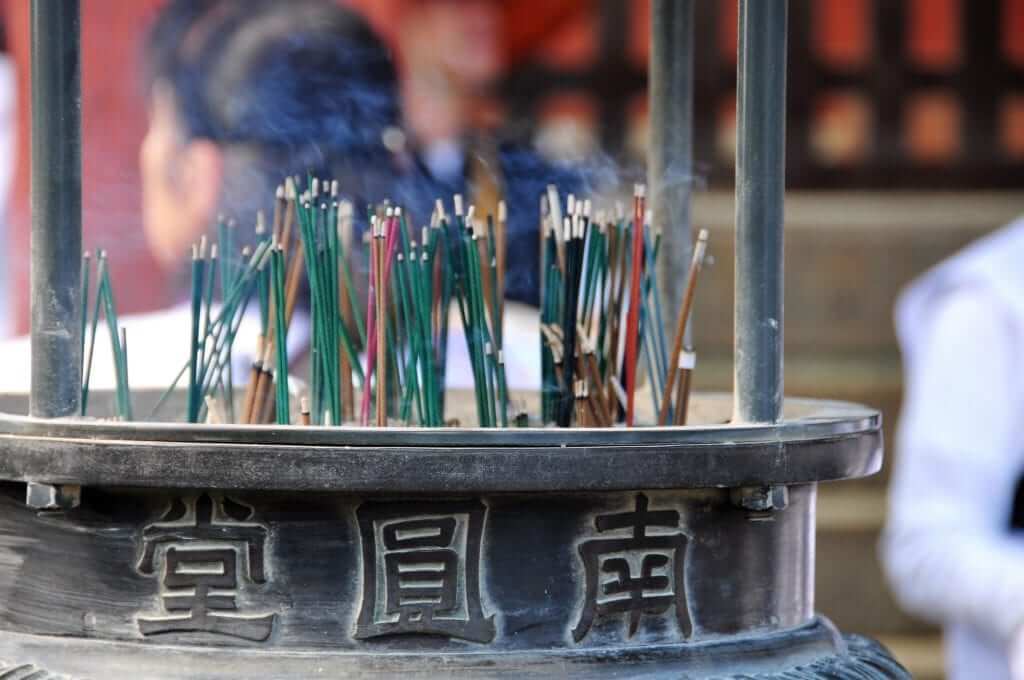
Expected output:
(633, 319)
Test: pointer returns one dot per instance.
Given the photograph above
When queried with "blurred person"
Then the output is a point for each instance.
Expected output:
(953, 548)
(241, 94)
(452, 55)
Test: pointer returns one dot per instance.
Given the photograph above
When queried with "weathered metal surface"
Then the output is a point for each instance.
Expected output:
(264, 552)
(823, 441)
(849, 657)
(56, 207)
(433, 469)
(760, 191)
(262, 585)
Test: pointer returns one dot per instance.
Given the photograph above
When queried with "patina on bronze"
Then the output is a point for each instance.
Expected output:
(167, 551)
(267, 552)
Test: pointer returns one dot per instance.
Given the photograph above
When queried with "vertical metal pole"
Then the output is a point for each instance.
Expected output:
(56, 208)
(670, 154)
(760, 189)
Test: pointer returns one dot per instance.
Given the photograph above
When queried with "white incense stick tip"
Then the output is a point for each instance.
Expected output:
(587, 207)
(398, 211)
(701, 248)
(335, 187)
(213, 252)
(304, 405)
(279, 194)
(289, 189)
(570, 204)
(502, 211)
(315, 188)
(457, 200)
(389, 211)
(202, 247)
(439, 208)
(469, 214)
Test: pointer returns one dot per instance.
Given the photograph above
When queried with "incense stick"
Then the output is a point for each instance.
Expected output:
(685, 308)
(633, 320)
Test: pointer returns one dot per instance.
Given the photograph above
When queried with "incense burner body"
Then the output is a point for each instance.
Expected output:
(685, 553)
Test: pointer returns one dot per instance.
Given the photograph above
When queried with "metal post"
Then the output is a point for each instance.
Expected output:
(56, 208)
(670, 155)
(760, 189)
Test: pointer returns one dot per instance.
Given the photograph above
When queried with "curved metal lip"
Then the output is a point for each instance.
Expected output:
(821, 419)
(827, 440)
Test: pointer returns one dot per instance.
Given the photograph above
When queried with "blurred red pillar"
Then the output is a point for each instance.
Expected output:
(113, 124)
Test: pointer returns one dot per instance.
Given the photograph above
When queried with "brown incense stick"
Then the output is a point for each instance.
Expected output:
(685, 308)
(582, 409)
(254, 378)
(687, 362)
(263, 385)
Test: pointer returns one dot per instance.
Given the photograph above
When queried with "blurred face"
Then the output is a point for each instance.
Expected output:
(181, 183)
(460, 37)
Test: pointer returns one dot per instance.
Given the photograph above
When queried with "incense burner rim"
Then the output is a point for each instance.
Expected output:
(397, 461)
(817, 419)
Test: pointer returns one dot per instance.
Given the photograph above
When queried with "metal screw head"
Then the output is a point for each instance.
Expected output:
(760, 498)
(52, 497)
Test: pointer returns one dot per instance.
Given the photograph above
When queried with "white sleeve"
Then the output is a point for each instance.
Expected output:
(947, 548)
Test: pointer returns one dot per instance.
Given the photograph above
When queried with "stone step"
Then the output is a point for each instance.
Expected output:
(847, 257)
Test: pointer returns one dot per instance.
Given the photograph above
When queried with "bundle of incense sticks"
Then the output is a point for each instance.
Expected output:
(381, 360)
(103, 303)
(601, 312)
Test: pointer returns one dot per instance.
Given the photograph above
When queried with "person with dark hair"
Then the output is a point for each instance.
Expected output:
(243, 93)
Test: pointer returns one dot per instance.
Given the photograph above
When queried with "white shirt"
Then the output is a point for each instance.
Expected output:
(158, 347)
(947, 549)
